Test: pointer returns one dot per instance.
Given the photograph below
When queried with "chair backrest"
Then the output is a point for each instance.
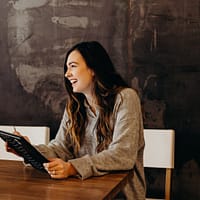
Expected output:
(36, 134)
(159, 152)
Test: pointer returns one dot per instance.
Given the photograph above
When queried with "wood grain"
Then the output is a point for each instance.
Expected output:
(18, 182)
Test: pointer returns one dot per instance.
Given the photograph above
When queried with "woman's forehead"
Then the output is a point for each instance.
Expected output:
(74, 56)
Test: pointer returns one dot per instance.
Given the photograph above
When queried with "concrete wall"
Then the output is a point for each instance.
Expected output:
(154, 44)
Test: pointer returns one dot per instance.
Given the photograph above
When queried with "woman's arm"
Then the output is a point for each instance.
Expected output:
(61, 146)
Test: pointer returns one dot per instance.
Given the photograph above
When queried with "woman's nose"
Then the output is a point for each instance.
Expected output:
(67, 73)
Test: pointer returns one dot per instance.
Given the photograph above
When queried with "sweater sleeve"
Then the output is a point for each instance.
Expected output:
(61, 146)
(123, 151)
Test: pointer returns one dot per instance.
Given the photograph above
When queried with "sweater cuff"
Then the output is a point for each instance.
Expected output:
(85, 167)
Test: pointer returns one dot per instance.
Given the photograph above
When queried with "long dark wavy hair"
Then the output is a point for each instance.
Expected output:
(107, 84)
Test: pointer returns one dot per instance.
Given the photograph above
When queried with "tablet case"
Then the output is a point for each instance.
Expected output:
(24, 149)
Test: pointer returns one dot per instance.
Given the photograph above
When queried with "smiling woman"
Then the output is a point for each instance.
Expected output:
(101, 121)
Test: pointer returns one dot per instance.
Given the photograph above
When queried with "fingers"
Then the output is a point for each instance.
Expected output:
(9, 149)
(27, 139)
(17, 133)
(57, 175)
(56, 168)
(53, 165)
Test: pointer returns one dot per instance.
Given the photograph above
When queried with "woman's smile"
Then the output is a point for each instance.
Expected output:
(73, 81)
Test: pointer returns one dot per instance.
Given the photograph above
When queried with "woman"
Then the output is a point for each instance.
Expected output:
(101, 129)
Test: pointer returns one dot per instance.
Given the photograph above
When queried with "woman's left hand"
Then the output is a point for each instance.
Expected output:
(59, 169)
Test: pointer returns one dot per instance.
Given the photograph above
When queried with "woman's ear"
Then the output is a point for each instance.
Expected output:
(92, 72)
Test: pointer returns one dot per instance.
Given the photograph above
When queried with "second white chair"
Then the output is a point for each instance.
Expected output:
(159, 153)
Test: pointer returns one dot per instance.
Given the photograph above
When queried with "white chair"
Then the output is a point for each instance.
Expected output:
(36, 134)
(159, 153)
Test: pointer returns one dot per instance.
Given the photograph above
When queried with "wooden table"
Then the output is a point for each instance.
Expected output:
(18, 182)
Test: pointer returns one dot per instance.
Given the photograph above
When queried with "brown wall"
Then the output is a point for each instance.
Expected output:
(154, 44)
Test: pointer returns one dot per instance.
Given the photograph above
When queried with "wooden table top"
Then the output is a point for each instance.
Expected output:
(18, 182)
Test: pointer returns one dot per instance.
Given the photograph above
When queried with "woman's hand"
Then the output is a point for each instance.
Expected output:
(9, 149)
(59, 169)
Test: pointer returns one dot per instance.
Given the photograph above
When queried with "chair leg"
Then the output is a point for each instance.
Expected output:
(168, 184)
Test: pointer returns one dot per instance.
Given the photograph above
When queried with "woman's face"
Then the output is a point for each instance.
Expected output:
(79, 74)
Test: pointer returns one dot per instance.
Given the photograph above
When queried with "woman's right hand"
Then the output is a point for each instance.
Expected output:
(11, 150)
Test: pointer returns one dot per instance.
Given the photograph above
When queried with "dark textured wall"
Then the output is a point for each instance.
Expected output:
(154, 44)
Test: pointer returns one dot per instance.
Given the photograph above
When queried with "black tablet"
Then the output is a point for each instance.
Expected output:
(24, 149)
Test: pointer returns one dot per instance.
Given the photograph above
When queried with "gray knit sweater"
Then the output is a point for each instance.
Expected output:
(124, 152)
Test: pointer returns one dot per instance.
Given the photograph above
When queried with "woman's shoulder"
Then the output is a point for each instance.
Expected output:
(127, 101)
(128, 93)
(127, 96)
